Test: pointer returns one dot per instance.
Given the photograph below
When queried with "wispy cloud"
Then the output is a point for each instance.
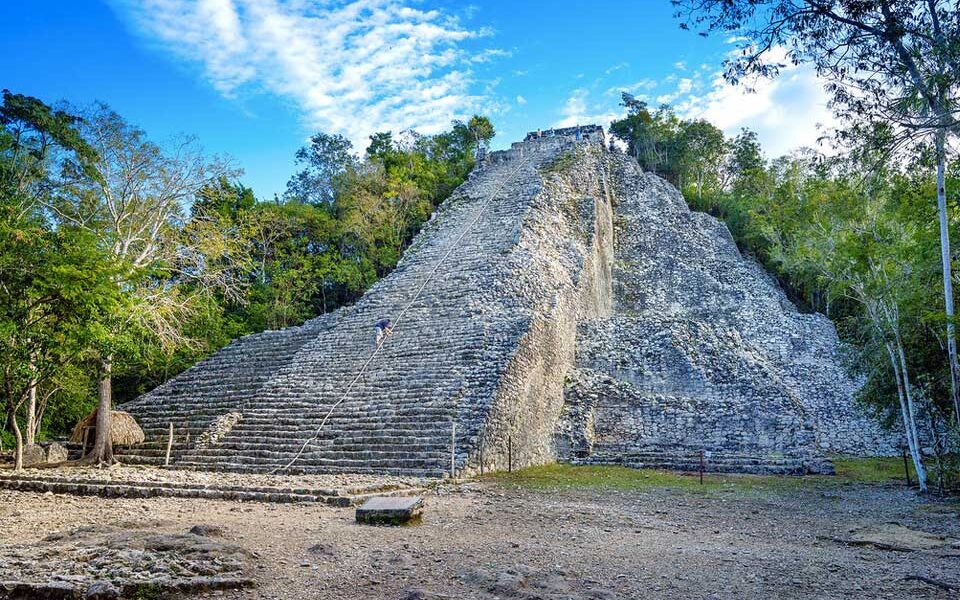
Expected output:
(580, 110)
(644, 85)
(787, 113)
(616, 67)
(350, 67)
(490, 54)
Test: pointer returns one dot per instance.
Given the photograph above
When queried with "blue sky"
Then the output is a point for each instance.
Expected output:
(254, 78)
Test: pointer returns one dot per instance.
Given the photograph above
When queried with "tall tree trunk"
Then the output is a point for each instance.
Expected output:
(947, 276)
(918, 458)
(102, 452)
(32, 425)
(913, 444)
(18, 437)
(11, 410)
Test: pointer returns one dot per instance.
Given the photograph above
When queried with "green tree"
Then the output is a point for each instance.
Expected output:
(134, 207)
(52, 279)
(702, 151)
(325, 161)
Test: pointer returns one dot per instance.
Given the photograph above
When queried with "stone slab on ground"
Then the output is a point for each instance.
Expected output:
(385, 510)
(893, 536)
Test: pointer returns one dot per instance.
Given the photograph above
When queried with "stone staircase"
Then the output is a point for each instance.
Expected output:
(451, 371)
(528, 328)
(217, 385)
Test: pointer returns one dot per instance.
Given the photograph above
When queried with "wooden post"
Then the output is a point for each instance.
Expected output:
(453, 449)
(701, 467)
(906, 466)
(481, 458)
(166, 460)
(86, 438)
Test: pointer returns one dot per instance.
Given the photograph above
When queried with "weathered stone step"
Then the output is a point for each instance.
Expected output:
(713, 463)
(149, 489)
(306, 469)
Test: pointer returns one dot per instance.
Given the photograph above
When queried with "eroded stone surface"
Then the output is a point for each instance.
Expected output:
(122, 560)
(704, 351)
(33, 454)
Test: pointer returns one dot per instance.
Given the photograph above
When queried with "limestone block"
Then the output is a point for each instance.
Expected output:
(56, 453)
(390, 510)
(33, 454)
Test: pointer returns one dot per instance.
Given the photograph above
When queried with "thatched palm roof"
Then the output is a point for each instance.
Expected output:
(124, 430)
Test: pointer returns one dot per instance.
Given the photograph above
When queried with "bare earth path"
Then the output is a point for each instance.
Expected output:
(502, 540)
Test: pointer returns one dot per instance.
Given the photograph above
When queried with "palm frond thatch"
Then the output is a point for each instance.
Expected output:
(124, 430)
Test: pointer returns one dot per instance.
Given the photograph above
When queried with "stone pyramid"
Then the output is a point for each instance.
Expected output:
(561, 304)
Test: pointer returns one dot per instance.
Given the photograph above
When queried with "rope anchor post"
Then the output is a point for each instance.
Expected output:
(166, 459)
(453, 449)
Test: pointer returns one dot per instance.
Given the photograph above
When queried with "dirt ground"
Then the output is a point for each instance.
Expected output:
(497, 539)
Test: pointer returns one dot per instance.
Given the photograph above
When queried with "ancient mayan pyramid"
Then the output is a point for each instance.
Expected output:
(582, 313)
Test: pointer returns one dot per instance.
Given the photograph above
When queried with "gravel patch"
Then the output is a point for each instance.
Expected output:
(488, 540)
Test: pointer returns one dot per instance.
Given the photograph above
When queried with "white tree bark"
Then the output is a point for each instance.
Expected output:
(909, 432)
(32, 425)
(945, 260)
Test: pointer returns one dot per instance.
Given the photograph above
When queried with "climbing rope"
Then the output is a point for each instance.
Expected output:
(416, 296)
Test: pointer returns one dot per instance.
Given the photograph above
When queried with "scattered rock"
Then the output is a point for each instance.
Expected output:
(33, 455)
(324, 550)
(56, 453)
(206, 530)
(101, 590)
(421, 594)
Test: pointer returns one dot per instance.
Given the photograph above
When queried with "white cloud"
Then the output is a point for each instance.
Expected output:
(578, 110)
(490, 54)
(521, 100)
(787, 113)
(350, 67)
(683, 88)
(616, 67)
(632, 88)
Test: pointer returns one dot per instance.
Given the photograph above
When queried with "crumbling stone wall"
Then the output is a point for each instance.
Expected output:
(565, 250)
(704, 351)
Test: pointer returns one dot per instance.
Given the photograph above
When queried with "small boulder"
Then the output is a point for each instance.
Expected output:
(33, 455)
(324, 550)
(206, 530)
(101, 590)
(56, 453)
